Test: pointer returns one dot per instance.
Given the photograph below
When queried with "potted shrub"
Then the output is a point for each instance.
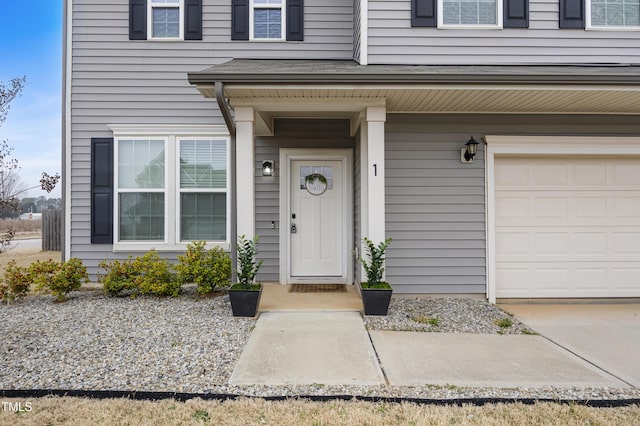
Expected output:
(376, 294)
(245, 294)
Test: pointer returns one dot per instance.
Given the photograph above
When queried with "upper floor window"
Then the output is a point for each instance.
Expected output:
(166, 18)
(614, 13)
(465, 14)
(476, 13)
(278, 20)
(267, 19)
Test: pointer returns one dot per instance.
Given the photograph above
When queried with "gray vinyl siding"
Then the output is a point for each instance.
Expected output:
(434, 212)
(118, 81)
(288, 134)
(392, 40)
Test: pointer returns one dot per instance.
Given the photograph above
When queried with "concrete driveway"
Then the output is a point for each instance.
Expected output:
(606, 335)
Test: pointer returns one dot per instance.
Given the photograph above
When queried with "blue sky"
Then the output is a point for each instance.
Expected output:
(31, 46)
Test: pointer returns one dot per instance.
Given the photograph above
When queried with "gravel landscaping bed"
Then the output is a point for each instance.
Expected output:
(446, 315)
(191, 344)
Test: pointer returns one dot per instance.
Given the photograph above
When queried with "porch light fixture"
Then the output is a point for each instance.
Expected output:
(468, 152)
(267, 167)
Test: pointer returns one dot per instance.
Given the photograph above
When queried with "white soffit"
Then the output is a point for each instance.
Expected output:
(442, 98)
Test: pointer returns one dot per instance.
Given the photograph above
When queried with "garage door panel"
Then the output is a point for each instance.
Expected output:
(515, 281)
(551, 280)
(627, 243)
(551, 244)
(625, 278)
(626, 209)
(626, 173)
(589, 174)
(591, 280)
(550, 173)
(513, 244)
(590, 244)
(567, 227)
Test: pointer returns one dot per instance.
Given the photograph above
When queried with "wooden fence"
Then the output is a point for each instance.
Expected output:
(52, 230)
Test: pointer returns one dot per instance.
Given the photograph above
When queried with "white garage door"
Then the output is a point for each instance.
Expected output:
(567, 227)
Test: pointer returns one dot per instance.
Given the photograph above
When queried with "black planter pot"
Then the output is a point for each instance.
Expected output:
(244, 303)
(376, 300)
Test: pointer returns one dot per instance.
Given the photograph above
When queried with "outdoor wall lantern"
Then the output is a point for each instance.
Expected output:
(468, 152)
(267, 167)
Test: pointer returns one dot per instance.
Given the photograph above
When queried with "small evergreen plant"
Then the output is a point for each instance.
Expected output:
(247, 265)
(374, 264)
(209, 269)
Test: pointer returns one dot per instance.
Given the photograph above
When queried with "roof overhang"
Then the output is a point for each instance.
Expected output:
(291, 88)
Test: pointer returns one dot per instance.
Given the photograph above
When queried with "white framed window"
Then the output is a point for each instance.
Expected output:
(613, 14)
(203, 189)
(170, 190)
(267, 19)
(166, 19)
(470, 14)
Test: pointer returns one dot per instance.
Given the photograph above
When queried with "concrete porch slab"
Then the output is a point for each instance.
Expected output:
(331, 348)
(477, 360)
(607, 335)
(276, 298)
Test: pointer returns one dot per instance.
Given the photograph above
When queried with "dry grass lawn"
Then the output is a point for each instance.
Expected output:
(25, 257)
(78, 411)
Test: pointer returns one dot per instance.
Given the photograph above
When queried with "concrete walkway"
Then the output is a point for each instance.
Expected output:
(308, 348)
(335, 348)
(607, 335)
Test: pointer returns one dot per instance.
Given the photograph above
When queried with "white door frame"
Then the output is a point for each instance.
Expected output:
(345, 156)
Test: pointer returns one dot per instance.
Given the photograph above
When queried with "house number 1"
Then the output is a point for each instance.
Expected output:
(375, 170)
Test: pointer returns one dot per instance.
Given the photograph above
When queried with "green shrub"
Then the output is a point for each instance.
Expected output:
(144, 274)
(155, 276)
(58, 278)
(15, 282)
(119, 276)
(69, 277)
(209, 269)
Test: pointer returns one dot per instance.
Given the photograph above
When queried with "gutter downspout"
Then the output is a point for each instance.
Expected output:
(231, 126)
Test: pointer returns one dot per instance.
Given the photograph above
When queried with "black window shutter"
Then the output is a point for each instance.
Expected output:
(102, 190)
(516, 14)
(572, 14)
(423, 13)
(295, 20)
(240, 20)
(137, 19)
(193, 19)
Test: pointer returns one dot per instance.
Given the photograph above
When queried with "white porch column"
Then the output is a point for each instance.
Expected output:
(375, 118)
(245, 171)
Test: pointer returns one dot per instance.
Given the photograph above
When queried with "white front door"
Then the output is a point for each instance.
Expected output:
(317, 220)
